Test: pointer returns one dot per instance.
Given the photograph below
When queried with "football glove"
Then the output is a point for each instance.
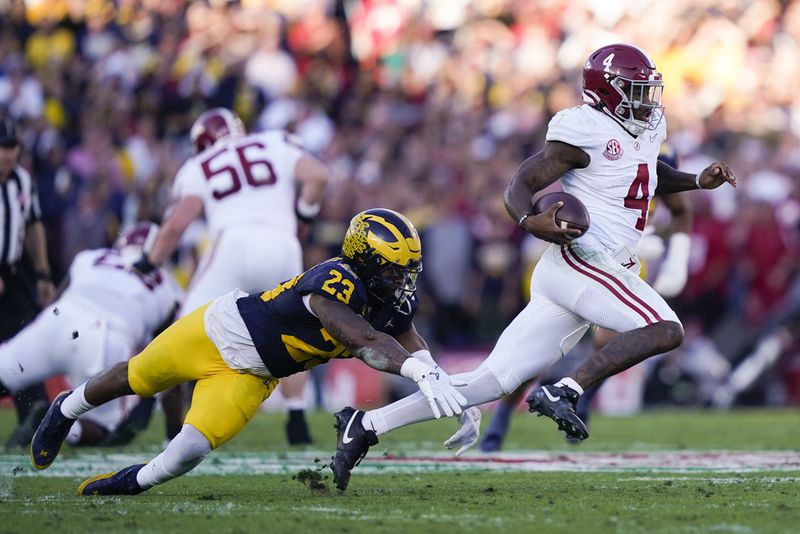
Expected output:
(469, 430)
(674, 270)
(650, 246)
(143, 265)
(437, 387)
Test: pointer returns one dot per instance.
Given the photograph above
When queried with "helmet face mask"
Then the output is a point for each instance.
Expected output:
(385, 251)
(393, 283)
(640, 107)
(622, 81)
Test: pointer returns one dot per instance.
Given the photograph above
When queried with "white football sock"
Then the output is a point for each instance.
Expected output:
(296, 403)
(482, 387)
(75, 405)
(183, 453)
(571, 384)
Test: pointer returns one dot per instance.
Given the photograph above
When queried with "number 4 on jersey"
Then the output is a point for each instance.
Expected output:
(634, 201)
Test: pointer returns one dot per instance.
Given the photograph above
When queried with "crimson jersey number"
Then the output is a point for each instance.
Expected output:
(635, 199)
(226, 177)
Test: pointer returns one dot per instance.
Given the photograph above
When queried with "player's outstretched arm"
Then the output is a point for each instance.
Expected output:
(384, 353)
(186, 210)
(671, 180)
(440, 381)
(378, 350)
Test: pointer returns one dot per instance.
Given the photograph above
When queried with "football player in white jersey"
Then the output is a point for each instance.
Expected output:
(605, 153)
(106, 313)
(252, 188)
(669, 282)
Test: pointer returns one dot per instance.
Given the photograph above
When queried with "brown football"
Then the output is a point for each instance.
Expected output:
(572, 214)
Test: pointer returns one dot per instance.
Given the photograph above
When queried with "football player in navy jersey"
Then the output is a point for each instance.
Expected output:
(238, 346)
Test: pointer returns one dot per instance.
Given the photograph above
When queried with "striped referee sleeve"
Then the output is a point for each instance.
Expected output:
(35, 213)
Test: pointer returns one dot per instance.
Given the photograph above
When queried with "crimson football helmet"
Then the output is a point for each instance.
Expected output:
(213, 125)
(622, 81)
(137, 239)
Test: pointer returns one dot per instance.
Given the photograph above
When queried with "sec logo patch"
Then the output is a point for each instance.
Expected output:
(613, 150)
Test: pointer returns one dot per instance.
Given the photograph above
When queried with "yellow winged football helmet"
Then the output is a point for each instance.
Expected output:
(384, 249)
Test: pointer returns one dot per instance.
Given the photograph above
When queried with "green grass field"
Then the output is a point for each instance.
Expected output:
(258, 484)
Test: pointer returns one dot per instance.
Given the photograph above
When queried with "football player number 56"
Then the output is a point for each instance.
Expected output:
(256, 168)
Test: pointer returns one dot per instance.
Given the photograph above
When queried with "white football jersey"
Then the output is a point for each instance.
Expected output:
(244, 180)
(620, 179)
(139, 304)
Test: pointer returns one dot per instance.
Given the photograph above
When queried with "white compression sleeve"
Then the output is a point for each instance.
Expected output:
(481, 387)
(184, 453)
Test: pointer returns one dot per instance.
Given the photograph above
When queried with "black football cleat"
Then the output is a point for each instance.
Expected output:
(50, 435)
(352, 443)
(297, 429)
(558, 403)
(122, 482)
(22, 436)
(134, 423)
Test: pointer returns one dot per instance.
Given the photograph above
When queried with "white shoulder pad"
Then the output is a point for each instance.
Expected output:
(574, 126)
(189, 180)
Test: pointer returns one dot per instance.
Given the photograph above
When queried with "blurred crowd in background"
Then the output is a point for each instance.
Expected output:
(428, 107)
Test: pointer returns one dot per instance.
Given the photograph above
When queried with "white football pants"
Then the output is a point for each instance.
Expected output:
(252, 258)
(571, 289)
(70, 338)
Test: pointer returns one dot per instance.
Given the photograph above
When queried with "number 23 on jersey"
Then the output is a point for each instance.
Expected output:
(341, 288)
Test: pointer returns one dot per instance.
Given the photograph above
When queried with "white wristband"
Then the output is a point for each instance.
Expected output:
(697, 181)
(414, 369)
(424, 355)
(307, 210)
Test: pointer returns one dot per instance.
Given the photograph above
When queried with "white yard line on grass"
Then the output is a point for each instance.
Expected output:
(424, 461)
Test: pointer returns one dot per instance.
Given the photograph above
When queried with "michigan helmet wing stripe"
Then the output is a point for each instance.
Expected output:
(396, 220)
(405, 246)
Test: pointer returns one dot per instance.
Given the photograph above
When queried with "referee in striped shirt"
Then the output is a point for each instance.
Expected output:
(21, 231)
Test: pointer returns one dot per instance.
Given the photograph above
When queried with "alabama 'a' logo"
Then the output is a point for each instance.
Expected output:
(613, 150)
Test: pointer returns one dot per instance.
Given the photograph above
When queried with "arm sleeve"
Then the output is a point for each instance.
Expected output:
(35, 213)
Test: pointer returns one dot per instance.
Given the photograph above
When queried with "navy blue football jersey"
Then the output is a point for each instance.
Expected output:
(290, 339)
